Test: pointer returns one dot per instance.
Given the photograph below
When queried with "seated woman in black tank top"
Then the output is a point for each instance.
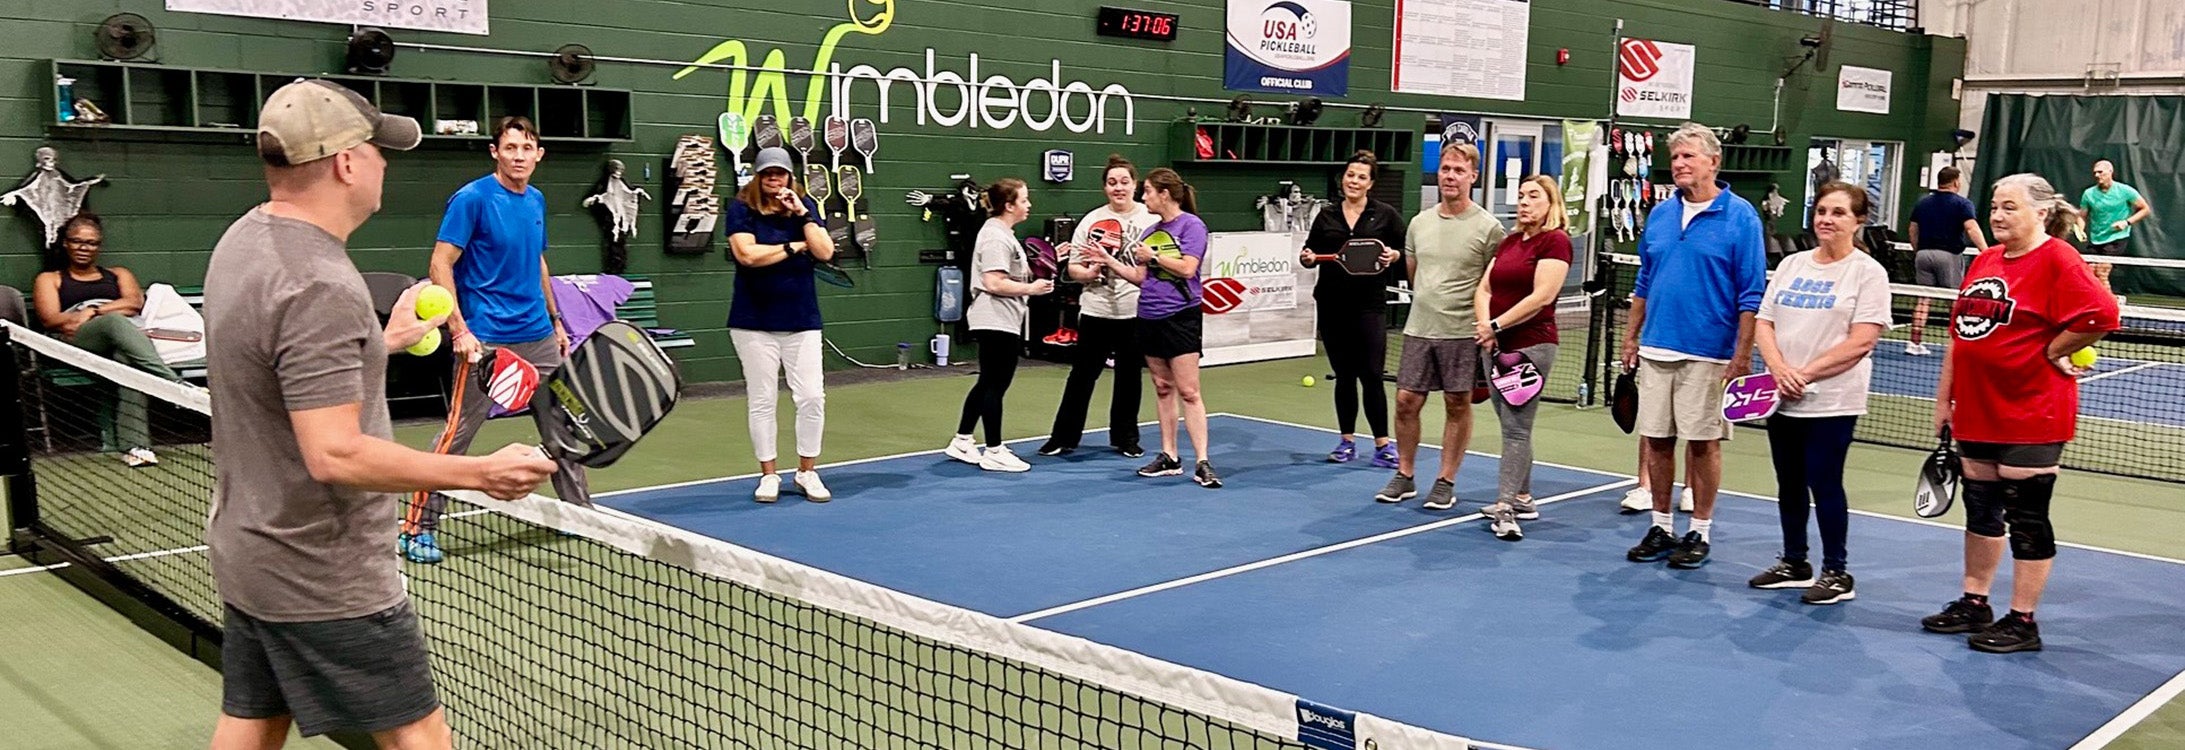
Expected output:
(91, 306)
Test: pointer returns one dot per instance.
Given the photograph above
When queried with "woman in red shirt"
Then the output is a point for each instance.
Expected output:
(2010, 396)
(1516, 308)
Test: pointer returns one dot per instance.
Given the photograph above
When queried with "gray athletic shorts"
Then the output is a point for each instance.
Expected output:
(1445, 365)
(2026, 455)
(1938, 268)
(366, 674)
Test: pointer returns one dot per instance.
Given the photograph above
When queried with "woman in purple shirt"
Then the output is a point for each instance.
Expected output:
(1167, 274)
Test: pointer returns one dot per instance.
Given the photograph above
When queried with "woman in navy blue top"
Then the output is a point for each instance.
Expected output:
(776, 236)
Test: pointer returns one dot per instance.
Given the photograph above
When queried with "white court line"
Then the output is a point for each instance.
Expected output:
(170, 552)
(2114, 373)
(1289, 558)
(2132, 716)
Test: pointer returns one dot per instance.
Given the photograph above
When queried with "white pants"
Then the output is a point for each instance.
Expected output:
(766, 355)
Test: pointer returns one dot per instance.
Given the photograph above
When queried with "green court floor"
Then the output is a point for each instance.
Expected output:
(73, 674)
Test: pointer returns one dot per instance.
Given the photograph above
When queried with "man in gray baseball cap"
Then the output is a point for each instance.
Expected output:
(318, 631)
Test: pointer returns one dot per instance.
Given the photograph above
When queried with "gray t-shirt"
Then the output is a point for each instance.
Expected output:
(1452, 254)
(997, 250)
(289, 327)
(1109, 296)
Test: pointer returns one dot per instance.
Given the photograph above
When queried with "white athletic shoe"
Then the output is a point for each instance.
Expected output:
(998, 458)
(1916, 349)
(139, 457)
(1636, 500)
(1684, 499)
(962, 449)
(769, 489)
(808, 483)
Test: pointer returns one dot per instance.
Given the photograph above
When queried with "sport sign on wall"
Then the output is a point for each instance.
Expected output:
(459, 16)
(1654, 79)
(1862, 90)
(1288, 46)
(1253, 308)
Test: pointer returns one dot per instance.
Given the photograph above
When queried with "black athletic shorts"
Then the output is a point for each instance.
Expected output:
(1171, 337)
(2112, 247)
(2022, 455)
(366, 674)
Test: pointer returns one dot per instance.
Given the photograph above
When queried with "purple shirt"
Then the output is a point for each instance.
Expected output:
(588, 301)
(1164, 294)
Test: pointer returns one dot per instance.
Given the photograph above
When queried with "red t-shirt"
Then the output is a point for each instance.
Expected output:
(1510, 279)
(2004, 318)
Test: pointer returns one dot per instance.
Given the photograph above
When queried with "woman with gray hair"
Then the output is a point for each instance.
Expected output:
(2010, 396)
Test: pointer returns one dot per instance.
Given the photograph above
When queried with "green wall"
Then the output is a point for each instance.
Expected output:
(169, 201)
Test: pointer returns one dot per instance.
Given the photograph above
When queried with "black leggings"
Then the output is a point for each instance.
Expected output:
(1809, 455)
(1357, 344)
(1100, 339)
(998, 353)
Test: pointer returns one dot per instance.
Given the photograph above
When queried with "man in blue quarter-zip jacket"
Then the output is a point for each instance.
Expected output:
(1702, 272)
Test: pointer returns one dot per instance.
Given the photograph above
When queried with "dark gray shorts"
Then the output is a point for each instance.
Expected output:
(1445, 365)
(2025, 456)
(1938, 268)
(2112, 247)
(365, 674)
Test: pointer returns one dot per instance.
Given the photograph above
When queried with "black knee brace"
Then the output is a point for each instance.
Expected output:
(1983, 507)
(2025, 507)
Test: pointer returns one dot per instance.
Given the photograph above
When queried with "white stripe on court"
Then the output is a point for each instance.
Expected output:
(171, 552)
(1292, 557)
(2114, 373)
(2132, 716)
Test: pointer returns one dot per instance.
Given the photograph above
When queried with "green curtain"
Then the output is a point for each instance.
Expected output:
(2060, 137)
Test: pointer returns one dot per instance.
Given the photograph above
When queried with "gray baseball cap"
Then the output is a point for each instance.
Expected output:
(773, 158)
(312, 119)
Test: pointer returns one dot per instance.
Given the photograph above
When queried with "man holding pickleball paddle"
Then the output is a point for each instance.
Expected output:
(1702, 269)
(491, 252)
(318, 632)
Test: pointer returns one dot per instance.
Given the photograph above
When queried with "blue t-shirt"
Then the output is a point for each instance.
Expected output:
(497, 279)
(1941, 217)
(780, 297)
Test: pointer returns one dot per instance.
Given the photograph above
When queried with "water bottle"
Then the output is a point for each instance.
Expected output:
(1585, 395)
(939, 348)
(902, 355)
(65, 98)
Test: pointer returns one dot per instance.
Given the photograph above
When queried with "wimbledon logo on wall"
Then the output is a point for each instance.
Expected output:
(937, 93)
(1288, 46)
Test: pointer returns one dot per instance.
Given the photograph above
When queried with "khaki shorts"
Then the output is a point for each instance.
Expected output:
(1681, 400)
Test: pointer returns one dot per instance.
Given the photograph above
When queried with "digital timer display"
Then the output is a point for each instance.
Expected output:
(1137, 24)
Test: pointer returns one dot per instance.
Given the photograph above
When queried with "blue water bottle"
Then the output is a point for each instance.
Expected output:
(65, 97)
(902, 355)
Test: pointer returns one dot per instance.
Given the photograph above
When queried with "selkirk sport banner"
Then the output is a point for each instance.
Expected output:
(459, 16)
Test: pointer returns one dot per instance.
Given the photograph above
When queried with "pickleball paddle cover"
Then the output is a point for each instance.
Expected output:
(1623, 402)
(1938, 476)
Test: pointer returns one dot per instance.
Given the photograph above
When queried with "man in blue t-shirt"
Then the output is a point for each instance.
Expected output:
(492, 253)
(1943, 225)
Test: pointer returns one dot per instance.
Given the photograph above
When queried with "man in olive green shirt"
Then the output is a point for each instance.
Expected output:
(1446, 252)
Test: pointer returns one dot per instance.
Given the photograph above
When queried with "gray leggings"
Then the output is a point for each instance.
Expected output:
(1517, 431)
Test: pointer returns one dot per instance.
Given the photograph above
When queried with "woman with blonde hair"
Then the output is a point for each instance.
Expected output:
(1515, 305)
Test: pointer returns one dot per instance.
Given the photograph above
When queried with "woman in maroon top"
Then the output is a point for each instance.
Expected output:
(1516, 308)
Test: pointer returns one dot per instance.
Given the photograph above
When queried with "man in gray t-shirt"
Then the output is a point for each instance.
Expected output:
(317, 630)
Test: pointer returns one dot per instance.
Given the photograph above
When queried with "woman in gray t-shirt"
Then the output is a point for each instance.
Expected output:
(1001, 281)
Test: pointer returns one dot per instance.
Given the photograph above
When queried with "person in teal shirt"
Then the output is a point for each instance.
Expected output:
(2110, 208)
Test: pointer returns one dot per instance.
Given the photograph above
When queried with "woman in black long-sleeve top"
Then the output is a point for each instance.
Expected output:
(1354, 309)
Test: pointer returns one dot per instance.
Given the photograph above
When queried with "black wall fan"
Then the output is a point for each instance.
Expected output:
(371, 51)
(123, 36)
(570, 64)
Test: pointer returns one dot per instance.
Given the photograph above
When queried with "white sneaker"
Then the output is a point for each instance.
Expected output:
(962, 449)
(998, 458)
(808, 483)
(1684, 499)
(1916, 349)
(769, 489)
(1636, 500)
(139, 457)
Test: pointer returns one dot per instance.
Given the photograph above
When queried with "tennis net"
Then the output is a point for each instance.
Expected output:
(554, 626)
(2131, 407)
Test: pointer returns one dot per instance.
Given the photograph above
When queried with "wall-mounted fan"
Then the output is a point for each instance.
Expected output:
(371, 51)
(123, 36)
(570, 64)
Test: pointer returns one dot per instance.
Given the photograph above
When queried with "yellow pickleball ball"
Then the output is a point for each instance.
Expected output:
(1308, 381)
(427, 345)
(434, 300)
(2084, 358)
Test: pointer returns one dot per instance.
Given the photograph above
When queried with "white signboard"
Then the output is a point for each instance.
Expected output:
(1472, 48)
(1253, 304)
(1288, 46)
(1654, 79)
(1862, 90)
(459, 16)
